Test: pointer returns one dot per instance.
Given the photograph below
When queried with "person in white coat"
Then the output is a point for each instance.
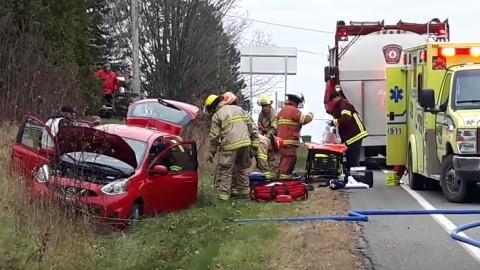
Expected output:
(59, 119)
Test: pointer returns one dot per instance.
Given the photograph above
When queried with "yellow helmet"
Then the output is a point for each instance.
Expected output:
(265, 100)
(229, 97)
(210, 99)
(209, 102)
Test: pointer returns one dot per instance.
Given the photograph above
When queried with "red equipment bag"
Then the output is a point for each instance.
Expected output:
(269, 191)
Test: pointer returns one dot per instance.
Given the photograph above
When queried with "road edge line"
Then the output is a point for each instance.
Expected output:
(441, 220)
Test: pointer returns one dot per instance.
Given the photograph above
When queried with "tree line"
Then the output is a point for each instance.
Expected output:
(50, 49)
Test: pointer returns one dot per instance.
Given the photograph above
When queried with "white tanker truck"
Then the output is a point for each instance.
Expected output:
(358, 60)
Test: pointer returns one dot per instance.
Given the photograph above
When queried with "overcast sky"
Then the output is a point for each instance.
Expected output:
(464, 18)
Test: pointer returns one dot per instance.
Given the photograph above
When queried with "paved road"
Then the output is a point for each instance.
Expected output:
(412, 242)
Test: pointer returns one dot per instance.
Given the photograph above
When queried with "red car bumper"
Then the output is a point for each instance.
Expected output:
(110, 209)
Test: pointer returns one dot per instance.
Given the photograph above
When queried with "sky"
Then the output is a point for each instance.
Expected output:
(463, 17)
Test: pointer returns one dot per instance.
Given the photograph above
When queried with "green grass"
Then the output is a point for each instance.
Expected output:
(32, 237)
(200, 238)
(112, 121)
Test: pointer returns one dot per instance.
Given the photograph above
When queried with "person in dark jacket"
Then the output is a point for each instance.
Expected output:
(350, 127)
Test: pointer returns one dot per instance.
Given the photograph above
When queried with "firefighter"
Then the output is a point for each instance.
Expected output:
(350, 127)
(169, 160)
(232, 133)
(290, 122)
(267, 126)
(268, 158)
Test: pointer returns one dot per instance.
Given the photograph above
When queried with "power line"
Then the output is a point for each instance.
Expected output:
(284, 25)
(302, 51)
(317, 53)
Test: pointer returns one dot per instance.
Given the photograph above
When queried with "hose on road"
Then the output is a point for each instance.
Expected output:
(362, 216)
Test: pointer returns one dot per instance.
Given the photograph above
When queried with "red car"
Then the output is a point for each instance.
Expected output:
(118, 172)
(161, 114)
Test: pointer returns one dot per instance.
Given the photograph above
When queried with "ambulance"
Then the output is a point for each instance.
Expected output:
(433, 117)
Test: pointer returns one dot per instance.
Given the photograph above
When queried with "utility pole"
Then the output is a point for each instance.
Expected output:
(136, 47)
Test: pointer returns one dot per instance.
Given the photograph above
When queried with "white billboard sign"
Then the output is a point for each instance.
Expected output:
(268, 60)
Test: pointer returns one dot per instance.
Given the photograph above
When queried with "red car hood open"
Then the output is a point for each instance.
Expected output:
(84, 139)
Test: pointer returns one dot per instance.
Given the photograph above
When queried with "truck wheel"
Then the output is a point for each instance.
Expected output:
(453, 188)
(415, 180)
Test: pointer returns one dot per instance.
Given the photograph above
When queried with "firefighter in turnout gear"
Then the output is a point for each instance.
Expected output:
(290, 122)
(268, 158)
(350, 127)
(234, 135)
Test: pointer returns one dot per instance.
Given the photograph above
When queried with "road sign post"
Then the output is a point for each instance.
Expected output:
(267, 61)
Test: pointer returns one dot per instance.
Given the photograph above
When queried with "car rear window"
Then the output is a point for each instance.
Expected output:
(160, 112)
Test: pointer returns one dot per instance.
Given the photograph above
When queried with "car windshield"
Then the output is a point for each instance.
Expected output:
(159, 111)
(139, 147)
(466, 85)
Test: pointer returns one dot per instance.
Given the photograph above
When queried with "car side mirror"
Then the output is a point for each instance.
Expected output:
(159, 170)
(49, 151)
(426, 98)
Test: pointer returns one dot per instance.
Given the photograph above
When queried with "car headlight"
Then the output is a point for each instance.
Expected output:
(116, 187)
(467, 141)
(43, 174)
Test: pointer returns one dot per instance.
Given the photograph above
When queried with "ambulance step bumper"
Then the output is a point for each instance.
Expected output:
(467, 167)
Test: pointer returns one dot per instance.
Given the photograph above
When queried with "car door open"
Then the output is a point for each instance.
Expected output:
(29, 151)
(175, 177)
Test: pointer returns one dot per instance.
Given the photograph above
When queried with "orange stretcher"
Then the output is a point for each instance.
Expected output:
(324, 162)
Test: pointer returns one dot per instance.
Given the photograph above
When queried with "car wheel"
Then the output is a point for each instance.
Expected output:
(135, 214)
(453, 188)
(415, 180)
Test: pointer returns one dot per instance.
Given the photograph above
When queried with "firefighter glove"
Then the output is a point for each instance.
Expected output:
(254, 152)
(210, 158)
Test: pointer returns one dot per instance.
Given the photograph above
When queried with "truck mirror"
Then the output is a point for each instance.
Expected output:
(327, 73)
(426, 98)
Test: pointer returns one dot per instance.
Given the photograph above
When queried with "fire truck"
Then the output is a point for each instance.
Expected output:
(357, 61)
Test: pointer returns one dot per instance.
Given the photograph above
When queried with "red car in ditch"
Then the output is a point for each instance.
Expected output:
(116, 172)
(161, 114)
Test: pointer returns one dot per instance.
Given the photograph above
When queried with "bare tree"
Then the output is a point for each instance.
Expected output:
(261, 83)
(185, 51)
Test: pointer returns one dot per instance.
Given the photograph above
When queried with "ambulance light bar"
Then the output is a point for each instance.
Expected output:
(449, 52)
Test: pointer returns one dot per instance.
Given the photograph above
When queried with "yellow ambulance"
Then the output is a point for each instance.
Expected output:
(433, 117)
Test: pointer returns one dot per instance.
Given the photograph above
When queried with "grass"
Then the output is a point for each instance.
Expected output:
(41, 236)
(200, 238)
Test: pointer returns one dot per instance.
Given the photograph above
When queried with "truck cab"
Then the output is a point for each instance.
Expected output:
(442, 111)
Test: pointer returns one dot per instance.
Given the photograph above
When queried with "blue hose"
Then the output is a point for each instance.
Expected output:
(362, 215)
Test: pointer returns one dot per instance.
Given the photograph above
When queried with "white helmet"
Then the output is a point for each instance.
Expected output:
(296, 97)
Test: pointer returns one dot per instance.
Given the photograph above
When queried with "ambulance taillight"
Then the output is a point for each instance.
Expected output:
(449, 52)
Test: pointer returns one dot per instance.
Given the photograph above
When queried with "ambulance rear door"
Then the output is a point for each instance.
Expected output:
(396, 113)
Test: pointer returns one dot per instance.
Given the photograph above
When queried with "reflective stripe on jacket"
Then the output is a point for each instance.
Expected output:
(267, 122)
(350, 126)
(289, 123)
(232, 128)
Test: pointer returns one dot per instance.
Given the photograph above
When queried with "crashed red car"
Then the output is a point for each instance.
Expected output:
(114, 171)
(161, 114)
